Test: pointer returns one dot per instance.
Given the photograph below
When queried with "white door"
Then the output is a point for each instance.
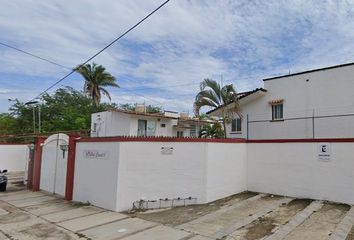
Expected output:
(141, 128)
(54, 164)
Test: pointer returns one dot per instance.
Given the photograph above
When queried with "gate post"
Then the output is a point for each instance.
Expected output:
(37, 163)
(31, 148)
(70, 168)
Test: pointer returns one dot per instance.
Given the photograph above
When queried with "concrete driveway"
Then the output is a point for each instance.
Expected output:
(38, 215)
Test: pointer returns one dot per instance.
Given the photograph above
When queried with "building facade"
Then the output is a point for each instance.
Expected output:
(139, 123)
(313, 104)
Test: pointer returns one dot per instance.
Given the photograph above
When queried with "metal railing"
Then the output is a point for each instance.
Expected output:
(345, 127)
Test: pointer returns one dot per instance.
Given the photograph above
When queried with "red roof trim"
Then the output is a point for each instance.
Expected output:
(156, 115)
(219, 140)
(160, 139)
(301, 140)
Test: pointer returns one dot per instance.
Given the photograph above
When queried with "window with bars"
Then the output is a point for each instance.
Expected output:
(236, 125)
(194, 131)
(179, 133)
(277, 111)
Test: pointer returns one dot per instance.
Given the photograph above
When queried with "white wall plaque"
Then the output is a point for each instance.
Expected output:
(96, 154)
(166, 150)
(324, 152)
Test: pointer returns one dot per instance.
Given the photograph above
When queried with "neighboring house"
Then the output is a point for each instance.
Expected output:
(313, 104)
(139, 123)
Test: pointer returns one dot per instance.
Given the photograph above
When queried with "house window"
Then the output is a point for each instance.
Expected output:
(163, 125)
(194, 131)
(236, 125)
(277, 111)
(179, 133)
(150, 128)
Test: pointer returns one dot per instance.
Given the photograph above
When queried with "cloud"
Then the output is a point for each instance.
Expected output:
(163, 60)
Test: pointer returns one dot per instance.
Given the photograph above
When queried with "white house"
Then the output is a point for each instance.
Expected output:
(119, 122)
(312, 104)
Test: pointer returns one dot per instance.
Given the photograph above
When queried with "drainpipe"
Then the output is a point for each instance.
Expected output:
(247, 126)
(313, 124)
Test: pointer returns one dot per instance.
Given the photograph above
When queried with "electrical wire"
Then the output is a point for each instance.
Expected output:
(34, 55)
(102, 50)
(167, 87)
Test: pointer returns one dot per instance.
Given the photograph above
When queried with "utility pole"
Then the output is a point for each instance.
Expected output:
(34, 119)
(39, 118)
(222, 81)
(34, 115)
(222, 105)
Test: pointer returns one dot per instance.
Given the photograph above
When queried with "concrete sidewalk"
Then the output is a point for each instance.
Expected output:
(38, 215)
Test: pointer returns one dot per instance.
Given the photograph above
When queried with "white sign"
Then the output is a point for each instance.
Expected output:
(166, 150)
(324, 152)
(95, 154)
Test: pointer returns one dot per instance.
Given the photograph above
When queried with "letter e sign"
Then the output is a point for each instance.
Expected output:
(324, 152)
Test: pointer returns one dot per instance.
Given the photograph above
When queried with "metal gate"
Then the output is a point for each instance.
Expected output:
(54, 164)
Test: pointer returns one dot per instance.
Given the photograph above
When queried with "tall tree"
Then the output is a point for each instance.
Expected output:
(64, 110)
(96, 78)
(7, 124)
(224, 98)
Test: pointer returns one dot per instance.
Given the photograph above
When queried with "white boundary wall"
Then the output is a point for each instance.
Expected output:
(145, 173)
(294, 169)
(226, 169)
(13, 157)
(135, 170)
(95, 178)
(124, 172)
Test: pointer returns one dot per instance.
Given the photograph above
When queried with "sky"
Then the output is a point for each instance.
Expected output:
(162, 61)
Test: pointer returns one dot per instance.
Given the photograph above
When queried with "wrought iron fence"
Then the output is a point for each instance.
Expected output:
(314, 126)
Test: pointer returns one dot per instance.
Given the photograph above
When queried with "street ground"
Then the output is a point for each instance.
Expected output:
(38, 215)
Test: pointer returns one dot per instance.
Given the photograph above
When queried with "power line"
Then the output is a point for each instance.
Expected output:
(102, 50)
(149, 98)
(167, 87)
(180, 85)
(34, 55)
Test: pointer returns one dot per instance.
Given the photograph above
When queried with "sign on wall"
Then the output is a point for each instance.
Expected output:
(324, 152)
(166, 150)
(96, 154)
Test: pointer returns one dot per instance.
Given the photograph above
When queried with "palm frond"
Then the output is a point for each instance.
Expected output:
(213, 95)
(106, 93)
(228, 94)
(96, 77)
(204, 98)
(213, 85)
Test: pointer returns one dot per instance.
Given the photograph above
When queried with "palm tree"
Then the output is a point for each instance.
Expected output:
(212, 131)
(224, 98)
(96, 78)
